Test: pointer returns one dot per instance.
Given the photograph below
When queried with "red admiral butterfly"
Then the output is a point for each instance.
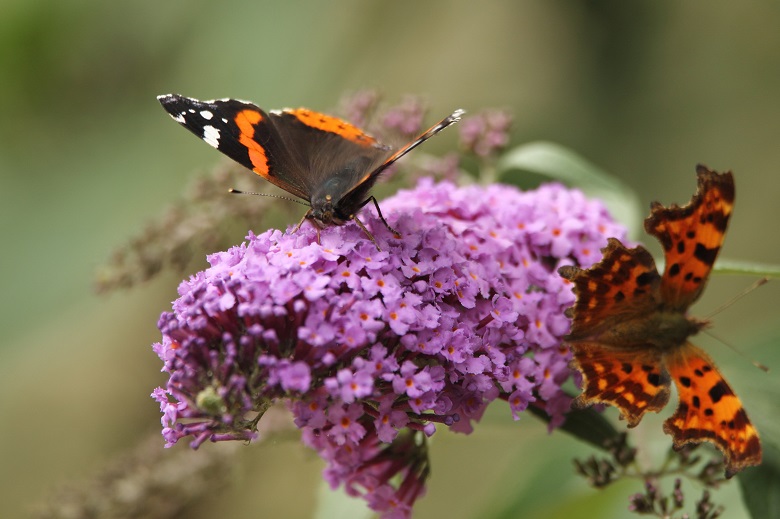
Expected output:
(328, 162)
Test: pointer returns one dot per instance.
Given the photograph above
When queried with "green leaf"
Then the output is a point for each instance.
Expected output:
(760, 485)
(560, 163)
(585, 424)
(747, 268)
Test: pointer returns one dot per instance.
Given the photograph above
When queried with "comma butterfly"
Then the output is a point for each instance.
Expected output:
(630, 327)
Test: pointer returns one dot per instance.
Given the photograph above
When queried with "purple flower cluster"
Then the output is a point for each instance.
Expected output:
(371, 350)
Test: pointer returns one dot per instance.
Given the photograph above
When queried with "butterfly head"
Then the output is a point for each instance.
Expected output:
(325, 203)
(324, 212)
(336, 200)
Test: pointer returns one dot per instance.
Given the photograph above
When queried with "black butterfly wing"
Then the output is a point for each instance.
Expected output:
(356, 197)
(243, 132)
(308, 154)
(327, 153)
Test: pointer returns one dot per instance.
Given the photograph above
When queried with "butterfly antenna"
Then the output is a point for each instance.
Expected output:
(237, 192)
(741, 353)
(739, 296)
(758, 283)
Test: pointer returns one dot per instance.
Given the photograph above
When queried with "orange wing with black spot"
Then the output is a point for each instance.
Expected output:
(709, 410)
(634, 380)
(692, 236)
(330, 124)
(621, 287)
(615, 294)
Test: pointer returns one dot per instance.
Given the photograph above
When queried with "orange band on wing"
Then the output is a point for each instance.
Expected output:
(246, 121)
(332, 125)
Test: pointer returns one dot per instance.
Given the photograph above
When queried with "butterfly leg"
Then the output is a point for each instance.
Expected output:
(381, 217)
(307, 216)
(368, 233)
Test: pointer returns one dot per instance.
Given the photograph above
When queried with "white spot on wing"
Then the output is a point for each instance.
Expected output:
(206, 114)
(211, 136)
(224, 120)
(191, 111)
(225, 100)
(179, 118)
(286, 110)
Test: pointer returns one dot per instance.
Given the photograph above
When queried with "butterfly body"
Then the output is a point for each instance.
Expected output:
(630, 327)
(658, 329)
(667, 330)
(327, 162)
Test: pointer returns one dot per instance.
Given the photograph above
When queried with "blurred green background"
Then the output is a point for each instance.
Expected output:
(644, 89)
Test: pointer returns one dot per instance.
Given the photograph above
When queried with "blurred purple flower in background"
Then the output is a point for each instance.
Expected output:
(405, 118)
(372, 350)
(486, 133)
